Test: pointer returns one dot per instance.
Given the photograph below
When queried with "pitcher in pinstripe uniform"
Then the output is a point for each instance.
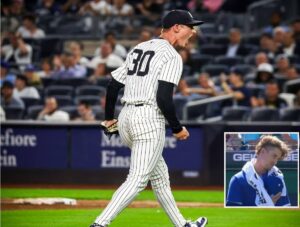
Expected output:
(149, 74)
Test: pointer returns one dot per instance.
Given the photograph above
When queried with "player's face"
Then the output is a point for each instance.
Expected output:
(185, 33)
(269, 157)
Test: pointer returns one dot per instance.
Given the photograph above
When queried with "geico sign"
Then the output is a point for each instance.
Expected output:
(239, 157)
(242, 157)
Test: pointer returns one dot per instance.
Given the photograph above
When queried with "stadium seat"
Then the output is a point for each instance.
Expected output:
(179, 102)
(212, 49)
(215, 69)
(264, 114)
(47, 81)
(14, 112)
(209, 29)
(91, 99)
(235, 113)
(54, 90)
(199, 60)
(90, 90)
(290, 114)
(99, 112)
(220, 40)
(191, 81)
(30, 102)
(74, 82)
(103, 81)
(71, 110)
(244, 68)
(256, 90)
(33, 111)
(229, 61)
(292, 86)
(64, 100)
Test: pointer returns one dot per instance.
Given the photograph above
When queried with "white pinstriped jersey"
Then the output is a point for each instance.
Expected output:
(147, 63)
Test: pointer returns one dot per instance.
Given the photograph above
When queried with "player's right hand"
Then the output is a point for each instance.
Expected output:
(276, 197)
(183, 134)
(109, 122)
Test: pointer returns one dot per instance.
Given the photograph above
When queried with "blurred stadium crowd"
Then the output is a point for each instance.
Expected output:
(56, 58)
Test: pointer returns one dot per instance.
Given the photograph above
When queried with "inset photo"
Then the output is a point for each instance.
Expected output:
(261, 169)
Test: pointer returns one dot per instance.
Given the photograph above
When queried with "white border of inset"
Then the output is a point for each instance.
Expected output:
(255, 207)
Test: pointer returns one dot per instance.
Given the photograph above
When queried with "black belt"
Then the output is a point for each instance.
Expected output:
(131, 104)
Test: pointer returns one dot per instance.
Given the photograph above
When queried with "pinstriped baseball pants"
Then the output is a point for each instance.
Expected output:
(142, 129)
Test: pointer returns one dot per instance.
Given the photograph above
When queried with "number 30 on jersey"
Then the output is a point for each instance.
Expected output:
(140, 62)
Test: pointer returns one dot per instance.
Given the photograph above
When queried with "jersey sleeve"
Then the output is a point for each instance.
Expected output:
(172, 70)
(234, 196)
(120, 73)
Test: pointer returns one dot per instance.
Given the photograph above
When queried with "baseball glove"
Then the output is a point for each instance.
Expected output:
(110, 130)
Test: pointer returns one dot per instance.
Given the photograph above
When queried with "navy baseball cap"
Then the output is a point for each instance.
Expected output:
(273, 185)
(179, 16)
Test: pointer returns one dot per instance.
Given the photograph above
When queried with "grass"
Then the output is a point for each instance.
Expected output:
(180, 195)
(131, 217)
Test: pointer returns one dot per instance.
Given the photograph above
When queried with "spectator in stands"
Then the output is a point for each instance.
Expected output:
(76, 49)
(206, 86)
(275, 21)
(2, 114)
(271, 97)
(267, 45)
(99, 72)
(7, 97)
(16, 8)
(71, 6)
(112, 60)
(51, 112)
(47, 8)
(121, 8)
(95, 8)
(185, 91)
(85, 112)
(5, 75)
(149, 9)
(32, 77)
(71, 68)
(29, 28)
(22, 90)
(17, 51)
(278, 35)
(46, 68)
(235, 46)
(290, 47)
(282, 66)
(236, 87)
(118, 49)
(295, 26)
(264, 74)
(260, 58)
(292, 73)
(297, 100)
(145, 35)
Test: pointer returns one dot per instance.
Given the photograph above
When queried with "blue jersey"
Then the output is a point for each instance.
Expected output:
(240, 193)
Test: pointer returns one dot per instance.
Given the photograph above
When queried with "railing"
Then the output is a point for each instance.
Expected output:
(202, 104)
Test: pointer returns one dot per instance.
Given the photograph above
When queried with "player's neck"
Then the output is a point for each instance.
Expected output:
(170, 38)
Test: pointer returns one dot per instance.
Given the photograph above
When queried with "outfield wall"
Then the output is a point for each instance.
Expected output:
(38, 152)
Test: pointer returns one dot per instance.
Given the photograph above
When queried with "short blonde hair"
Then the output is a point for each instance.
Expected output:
(272, 141)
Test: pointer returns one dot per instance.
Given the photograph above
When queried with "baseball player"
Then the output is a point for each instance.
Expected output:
(260, 182)
(149, 74)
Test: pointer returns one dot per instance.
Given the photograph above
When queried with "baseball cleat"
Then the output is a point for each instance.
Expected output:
(200, 222)
(96, 225)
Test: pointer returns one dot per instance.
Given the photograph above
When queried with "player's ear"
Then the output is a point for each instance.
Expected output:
(176, 28)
